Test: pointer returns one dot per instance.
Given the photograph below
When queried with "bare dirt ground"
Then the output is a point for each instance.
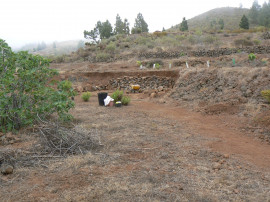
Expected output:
(151, 152)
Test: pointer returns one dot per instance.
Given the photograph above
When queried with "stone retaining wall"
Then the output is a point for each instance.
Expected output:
(148, 82)
(229, 51)
(178, 54)
(207, 53)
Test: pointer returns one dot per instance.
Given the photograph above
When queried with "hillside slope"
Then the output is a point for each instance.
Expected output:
(231, 17)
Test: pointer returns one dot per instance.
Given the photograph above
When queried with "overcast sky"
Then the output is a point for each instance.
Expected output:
(25, 21)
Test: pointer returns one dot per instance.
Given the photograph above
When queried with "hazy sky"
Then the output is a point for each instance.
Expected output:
(25, 21)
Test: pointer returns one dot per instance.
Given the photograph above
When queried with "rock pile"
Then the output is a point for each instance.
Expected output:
(148, 82)
(266, 35)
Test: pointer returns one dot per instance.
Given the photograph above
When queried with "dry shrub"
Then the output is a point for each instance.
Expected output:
(62, 141)
(243, 42)
(266, 95)
(160, 34)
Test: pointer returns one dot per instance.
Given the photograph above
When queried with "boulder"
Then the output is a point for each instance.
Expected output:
(6, 169)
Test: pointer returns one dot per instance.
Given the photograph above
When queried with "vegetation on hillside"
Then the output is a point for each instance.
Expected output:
(260, 15)
(205, 31)
(216, 19)
(244, 24)
(104, 30)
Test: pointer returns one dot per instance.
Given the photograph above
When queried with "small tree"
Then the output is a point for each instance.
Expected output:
(244, 24)
(26, 93)
(102, 30)
(126, 26)
(184, 25)
(92, 35)
(119, 25)
(140, 24)
(221, 24)
(105, 29)
(254, 12)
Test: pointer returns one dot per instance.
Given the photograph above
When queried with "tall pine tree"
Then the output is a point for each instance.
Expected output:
(254, 12)
(140, 25)
(119, 25)
(244, 24)
(184, 25)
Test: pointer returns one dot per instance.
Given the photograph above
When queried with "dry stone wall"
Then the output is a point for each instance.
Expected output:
(207, 53)
(179, 54)
(230, 51)
(147, 82)
(235, 85)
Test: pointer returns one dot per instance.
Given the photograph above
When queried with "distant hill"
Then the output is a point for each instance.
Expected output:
(55, 48)
(231, 17)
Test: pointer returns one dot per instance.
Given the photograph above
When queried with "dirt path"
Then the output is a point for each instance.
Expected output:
(151, 152)
(226, 130)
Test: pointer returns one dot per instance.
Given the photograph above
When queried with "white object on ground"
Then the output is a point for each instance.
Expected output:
(187, 65)
(107, 100)
(170, 66)
(208, 64)
(154, 66)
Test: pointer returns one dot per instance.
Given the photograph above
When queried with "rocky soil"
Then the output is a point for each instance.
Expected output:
(151, 152)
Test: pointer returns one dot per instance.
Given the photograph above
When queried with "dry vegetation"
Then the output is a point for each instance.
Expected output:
(205, 139)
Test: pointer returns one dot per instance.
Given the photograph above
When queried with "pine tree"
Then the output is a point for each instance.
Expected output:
(119, 25)
(140, 24)
(254, 12)
(184, 25)
(264, 15)
(105, 30)
(221, 23)
(244, 24)
(126, 26)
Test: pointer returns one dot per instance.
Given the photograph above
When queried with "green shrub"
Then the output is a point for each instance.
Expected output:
(117, 95)
(139, 63)
(86, 96)
(102, 57)
(27, 92)
(125, 100)
(110, 48)
(157, 65)
(210, 39)
(266, 94)
(257, 42)
(251, 56)
(151, 63)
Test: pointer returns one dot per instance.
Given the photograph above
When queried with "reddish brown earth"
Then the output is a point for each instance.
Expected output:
(155, 149)
(226, 128)
(151, 152)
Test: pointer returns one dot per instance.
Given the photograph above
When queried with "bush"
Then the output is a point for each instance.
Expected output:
(117, 95)
(251, 56)
(266, 94)
(27, 92)
(125, 100)
(139, 63)
(102, 57)
(157, 65)
(210, 39)
(110, 48)
(257, 42)
(151, 63)
(86, 96)
(160, 34)
(243, 42)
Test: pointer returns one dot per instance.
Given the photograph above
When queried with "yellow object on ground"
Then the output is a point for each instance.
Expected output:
(135, 87)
